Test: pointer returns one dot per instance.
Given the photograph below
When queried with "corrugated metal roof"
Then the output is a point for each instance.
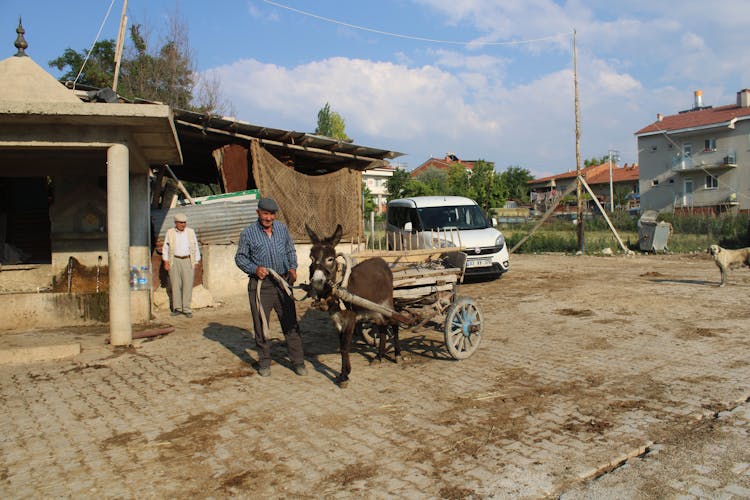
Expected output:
(284, 136)
(214, 223)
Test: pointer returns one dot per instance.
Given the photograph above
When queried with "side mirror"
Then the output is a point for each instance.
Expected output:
(407, 227)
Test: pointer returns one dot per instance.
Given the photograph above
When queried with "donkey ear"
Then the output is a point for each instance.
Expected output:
(313, 236)
(336, 236)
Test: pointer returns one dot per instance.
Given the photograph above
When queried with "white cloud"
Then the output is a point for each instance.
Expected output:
(514, 104)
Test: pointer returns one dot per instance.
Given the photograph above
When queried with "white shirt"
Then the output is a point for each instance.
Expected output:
(181, 246)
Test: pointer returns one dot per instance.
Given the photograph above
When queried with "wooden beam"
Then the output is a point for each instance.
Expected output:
(571, 188)
(611, 226)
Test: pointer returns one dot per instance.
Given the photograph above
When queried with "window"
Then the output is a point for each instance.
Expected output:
(654, 182)
(654, 148)
(709, 145)
(712, 182)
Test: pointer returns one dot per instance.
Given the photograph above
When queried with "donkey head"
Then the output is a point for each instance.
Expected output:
(323, 265)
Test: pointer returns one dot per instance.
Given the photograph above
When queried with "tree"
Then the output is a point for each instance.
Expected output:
(457, 180)
(331, 124)
(166, 74)
(516, 183)
(435, 182)
(396, 184)
(596, 161)
(99, 69)
(369, 199)
(482, 183)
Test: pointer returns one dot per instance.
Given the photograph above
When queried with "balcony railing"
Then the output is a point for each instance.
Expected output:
(706, 198)
(706, 160)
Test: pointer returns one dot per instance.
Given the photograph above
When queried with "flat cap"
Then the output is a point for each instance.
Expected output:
(180, 217)
(268, 205)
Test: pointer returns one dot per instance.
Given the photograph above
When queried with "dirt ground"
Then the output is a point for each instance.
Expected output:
(585, 362)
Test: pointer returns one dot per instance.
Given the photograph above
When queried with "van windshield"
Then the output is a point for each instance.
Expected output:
(460, 217)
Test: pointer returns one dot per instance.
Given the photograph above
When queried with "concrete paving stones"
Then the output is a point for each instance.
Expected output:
(620, 377)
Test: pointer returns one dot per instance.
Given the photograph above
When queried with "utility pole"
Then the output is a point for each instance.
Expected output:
(579, 190)
(611, 189)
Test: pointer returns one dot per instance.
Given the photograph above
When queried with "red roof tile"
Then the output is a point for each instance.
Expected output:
(697, 118)
(441, 164)
(598, 174)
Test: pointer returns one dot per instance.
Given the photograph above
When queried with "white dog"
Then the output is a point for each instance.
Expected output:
(729, 259)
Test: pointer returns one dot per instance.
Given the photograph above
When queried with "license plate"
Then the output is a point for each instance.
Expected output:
(478, 262)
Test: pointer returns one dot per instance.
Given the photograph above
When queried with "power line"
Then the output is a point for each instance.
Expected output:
(409, 37)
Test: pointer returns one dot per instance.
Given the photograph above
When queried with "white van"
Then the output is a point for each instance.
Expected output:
(446, 221)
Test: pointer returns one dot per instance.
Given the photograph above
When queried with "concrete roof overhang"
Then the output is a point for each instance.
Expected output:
(46, 129)
(71, 136)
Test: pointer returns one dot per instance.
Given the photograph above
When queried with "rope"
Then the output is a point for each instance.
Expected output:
(85, 60)
(284, 286)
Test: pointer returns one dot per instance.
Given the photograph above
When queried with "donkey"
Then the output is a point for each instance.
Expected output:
(371, 279)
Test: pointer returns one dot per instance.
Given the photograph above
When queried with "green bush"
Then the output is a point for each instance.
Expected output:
(730, 230)
(690, 233)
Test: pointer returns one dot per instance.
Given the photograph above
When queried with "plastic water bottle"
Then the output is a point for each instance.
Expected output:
(133, 278)
(143, 278)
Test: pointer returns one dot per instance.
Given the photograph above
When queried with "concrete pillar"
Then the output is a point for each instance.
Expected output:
(118, 244)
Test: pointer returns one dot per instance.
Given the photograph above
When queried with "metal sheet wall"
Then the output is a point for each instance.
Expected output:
(215, 223)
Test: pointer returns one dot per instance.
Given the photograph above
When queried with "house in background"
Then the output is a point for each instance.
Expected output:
(547, 190)
(697, 160)
(376, 180)
(442, 164)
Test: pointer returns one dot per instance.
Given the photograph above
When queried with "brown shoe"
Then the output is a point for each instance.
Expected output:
(300, 370)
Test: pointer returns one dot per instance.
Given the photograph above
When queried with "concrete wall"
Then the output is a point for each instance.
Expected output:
(51, 310)
(222, 278)
(78, 219)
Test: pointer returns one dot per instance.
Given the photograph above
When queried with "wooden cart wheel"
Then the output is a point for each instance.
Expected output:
(463, 328)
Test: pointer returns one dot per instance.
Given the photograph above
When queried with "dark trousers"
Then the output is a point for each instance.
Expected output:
(272, 297)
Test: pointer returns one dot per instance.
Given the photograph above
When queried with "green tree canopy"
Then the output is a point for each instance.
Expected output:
(483, 184)
(99, 69)
(515, 182)
(331, 124)
(165, 74)
(396, 184)
(369, 199)
(596, 161)
(457, 182)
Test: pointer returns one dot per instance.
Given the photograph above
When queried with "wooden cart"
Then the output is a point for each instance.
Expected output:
(425, 289)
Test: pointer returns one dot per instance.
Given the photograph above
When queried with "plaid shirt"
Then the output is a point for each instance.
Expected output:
(257, 249)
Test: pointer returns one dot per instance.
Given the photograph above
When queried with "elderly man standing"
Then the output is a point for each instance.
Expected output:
(181, 254)
(266, 245)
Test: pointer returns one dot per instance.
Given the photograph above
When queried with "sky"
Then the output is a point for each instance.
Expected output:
(485, 80)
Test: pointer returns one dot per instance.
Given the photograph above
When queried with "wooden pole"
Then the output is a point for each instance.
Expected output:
(180, 185)
(120, 43)
(579, 191)
(611, 226)
(544, 217)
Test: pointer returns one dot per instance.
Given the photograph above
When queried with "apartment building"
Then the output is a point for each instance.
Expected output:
(698, 160)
